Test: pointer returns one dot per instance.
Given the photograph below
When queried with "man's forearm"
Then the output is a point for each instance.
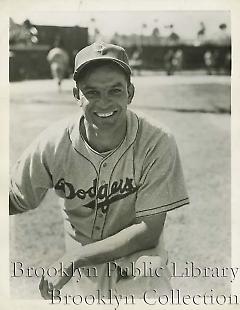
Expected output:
(137, 237)
(129, 240)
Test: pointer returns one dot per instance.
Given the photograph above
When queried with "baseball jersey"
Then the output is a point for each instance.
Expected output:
(101, 194)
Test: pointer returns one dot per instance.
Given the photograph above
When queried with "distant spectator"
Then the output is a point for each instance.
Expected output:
(156, 32)
(168, 62)
(218, 60)
(201, 31)
(209, 62)
(227, 63)
(31, 32)
(201, 34)
(173, 38)
(25, 34)
(223, 36)
(59, 63)
(222, 61)
(136, 61)
(177, 60)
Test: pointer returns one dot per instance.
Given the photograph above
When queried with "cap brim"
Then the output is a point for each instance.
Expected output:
(122, 64)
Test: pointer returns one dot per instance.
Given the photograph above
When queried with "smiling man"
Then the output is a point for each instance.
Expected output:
(117, 176)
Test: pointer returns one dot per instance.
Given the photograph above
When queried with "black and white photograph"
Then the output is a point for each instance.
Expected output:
(120, 158)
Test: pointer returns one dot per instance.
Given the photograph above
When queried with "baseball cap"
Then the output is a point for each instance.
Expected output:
(100, 51)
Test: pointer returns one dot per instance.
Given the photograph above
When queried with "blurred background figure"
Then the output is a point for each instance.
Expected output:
(31, 32)
(227, 63)
(209, 62)
(168, 62)
(24, 34)
(135, 61)
(201, 32)
(173, 38)
(173, 61)
(222, 36)
(177, 61)
(218, 61)
(59, 62)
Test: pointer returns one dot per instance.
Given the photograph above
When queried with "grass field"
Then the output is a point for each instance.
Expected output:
(196, 109)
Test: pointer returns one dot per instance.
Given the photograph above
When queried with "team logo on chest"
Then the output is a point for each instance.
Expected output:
(104, 194)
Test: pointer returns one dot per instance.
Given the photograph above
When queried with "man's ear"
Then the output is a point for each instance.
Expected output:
(131, 91)
(77, 96)
(76, 93)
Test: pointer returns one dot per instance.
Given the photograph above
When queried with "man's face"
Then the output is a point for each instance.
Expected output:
(104, 94)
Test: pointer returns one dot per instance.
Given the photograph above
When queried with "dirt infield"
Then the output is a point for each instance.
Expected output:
(197, 111)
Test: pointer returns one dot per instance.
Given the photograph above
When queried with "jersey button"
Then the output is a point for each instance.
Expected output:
(104, 209)
(104, 165)
(103, 182)
(97, 228)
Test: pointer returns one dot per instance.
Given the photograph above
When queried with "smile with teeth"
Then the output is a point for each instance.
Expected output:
(105, 114)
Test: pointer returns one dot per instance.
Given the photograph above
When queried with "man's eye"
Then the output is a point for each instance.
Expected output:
(91, 93)
(116, 91)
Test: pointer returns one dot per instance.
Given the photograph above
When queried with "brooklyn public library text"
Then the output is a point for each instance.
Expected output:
(186, 270)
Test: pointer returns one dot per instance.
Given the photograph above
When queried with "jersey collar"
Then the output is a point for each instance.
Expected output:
(79, 144)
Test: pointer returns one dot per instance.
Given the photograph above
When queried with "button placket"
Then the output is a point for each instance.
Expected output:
(101, 212)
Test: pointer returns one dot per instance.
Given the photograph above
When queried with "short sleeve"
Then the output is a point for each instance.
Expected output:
(30, 178)
(162, 186)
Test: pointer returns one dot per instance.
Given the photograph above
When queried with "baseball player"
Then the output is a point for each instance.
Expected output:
(59, 64)
(117, 176)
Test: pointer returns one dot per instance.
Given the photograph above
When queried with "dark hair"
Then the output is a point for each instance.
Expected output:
(97, 64)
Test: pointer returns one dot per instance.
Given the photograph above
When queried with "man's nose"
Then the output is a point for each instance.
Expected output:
(105, 99)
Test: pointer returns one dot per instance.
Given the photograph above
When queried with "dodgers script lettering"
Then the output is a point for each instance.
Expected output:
(118, 190)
